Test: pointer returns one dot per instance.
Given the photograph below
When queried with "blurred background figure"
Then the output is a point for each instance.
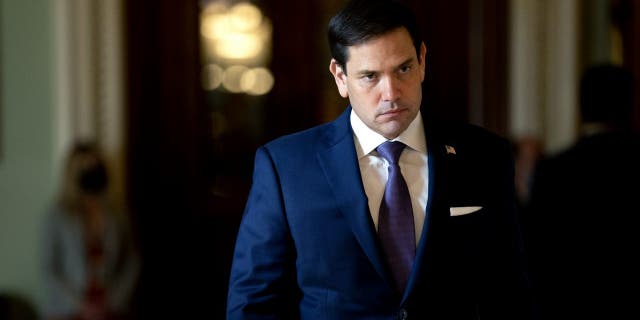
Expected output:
(528, 151)
(89, 259)
(583, 225)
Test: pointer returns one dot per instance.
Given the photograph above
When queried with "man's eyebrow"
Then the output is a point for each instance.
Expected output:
(365, 72)
(406, 62)
(402, 64)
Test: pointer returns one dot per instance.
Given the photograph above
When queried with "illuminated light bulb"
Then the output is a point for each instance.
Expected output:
(239, 45)
(257, 81)
(214, 21)
(231, 78)
(212, 77)
(245, 16)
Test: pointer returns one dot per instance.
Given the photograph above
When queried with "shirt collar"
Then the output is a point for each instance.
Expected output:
(368, 140)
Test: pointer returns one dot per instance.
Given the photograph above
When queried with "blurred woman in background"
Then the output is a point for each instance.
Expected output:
(90, 263)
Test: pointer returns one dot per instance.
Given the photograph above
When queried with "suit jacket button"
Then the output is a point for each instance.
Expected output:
(402, 314)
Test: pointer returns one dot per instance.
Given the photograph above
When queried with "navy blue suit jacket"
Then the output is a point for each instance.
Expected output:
(307, 247)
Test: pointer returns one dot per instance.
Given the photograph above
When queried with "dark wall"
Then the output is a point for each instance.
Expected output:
(626, 15)
(169, 160)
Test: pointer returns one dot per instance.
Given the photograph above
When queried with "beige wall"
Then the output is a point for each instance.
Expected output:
(544, 60)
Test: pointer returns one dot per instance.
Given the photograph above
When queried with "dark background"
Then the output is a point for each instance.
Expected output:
(187, 190)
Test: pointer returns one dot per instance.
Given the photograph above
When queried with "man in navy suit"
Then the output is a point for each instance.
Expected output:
(308, 245)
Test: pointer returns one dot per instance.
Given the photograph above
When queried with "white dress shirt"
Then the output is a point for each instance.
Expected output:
(374, 168)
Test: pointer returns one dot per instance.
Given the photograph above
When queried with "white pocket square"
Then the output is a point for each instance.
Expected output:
(459, 211)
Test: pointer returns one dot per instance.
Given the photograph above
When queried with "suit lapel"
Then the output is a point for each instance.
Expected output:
(437, 162)
(339, 162)
(340, 165)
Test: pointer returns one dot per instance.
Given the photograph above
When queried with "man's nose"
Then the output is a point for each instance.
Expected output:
(390, 89)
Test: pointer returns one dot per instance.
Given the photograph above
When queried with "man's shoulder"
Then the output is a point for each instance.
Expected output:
(299, 136)
(321, 134)
(300, 139)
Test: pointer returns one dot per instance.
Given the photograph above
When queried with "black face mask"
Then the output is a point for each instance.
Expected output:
(93, 180)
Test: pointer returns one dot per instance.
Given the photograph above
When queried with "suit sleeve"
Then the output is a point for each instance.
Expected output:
(262, 282)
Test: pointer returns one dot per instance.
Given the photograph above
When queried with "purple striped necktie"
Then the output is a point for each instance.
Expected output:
(395, 222)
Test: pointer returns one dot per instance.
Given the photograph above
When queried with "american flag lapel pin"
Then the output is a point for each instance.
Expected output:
(450, 149)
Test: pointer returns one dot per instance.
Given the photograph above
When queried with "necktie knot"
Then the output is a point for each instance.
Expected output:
(391, 151)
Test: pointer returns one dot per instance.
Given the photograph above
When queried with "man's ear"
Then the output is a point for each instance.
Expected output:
(340, 77)
(423, 60)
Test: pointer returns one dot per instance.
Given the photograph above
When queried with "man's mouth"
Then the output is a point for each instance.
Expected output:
(392, 112)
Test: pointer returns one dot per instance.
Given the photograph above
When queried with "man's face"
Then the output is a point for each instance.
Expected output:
(384, 81)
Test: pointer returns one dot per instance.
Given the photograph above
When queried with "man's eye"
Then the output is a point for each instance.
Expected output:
(405, 69)
(369, 76)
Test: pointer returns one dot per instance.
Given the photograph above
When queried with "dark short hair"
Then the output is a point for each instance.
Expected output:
(363, 20)
(606, 94)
